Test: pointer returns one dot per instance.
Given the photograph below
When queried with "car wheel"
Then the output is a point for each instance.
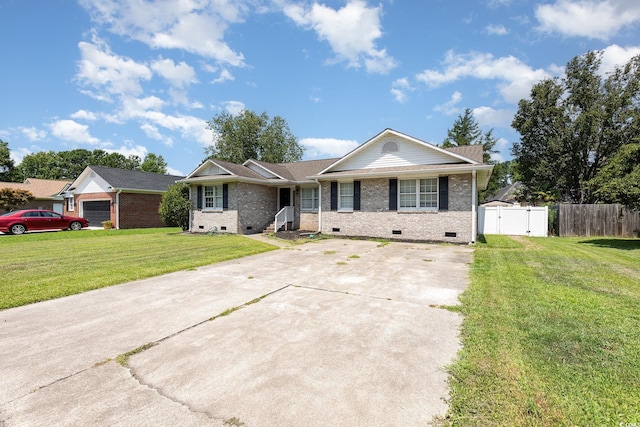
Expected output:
(75, 226)
(18, 229)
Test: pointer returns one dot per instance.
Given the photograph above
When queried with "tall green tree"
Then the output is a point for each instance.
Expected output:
(154, 163)
(175, 206)
(7, 165)
(251, 136)
(70, 164)
(570, 128)
(619, 180)
(466, 131)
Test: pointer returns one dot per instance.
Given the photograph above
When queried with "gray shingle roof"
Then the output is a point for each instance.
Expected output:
(299, 171)
(473, 152)
(135, 180)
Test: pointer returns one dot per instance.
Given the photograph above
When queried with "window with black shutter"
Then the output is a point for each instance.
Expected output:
(443, 193)
(334, 195)
(393, 194)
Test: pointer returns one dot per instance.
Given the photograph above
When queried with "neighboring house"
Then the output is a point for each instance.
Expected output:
(130, 199)
(506, 196)
(47, 193)
(392, 186)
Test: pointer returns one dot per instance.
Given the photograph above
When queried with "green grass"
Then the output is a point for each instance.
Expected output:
(41, 266)
(551, 334)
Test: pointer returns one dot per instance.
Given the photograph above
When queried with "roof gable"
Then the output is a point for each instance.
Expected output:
(394, 149)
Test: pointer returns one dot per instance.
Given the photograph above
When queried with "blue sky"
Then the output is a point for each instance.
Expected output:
(140, 76)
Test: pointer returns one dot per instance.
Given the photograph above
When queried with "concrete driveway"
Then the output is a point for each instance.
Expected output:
(334, 332)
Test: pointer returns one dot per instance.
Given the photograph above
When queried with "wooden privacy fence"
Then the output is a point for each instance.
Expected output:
(597, 220)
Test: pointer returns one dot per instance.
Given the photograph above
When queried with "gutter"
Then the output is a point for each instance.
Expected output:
(413, 172)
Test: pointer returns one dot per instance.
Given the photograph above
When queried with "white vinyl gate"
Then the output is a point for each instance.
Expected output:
(513, 221)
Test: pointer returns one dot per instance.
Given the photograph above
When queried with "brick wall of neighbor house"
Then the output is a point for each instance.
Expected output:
(35, 204)
(256, 206)
(375, 220)
(140, 210)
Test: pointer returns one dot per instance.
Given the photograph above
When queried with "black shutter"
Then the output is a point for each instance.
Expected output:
(393, 194)
(334, 195)
(225, 196)
(356, 195)
(199, 200)
(443, 193)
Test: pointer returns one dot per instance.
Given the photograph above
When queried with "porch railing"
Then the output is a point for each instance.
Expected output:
(284, 217)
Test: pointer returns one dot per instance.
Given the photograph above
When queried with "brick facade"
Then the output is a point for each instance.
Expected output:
(376, 220)
(251, 209)
(139, 210)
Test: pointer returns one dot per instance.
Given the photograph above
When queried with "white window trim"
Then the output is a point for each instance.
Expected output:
(417, 195)
(340, 207)
(71, 204)
(216, 188)
(315, 199)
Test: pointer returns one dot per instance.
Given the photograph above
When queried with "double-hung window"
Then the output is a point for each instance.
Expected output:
(213, 197)
(345, 196)
(418, 194)
(309, 200)
(71, 206)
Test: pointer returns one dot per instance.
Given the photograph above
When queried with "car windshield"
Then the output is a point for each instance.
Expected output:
(10, 213)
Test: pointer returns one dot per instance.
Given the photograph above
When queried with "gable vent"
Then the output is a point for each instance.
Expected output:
(390, 147)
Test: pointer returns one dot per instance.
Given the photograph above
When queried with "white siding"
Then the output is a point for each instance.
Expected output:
(409, 153)
(212, 170)
(92, 184)
(260, 170)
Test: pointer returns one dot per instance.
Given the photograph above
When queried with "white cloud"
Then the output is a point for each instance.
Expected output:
(234, 107)
(84, 115)
(152, 132)
(178, 75)
(136, 150)
(351, 31)
(176, 172)
(449, 107)
(18, 154)
(196, 26)
(615, 56)
(327, 147)
(73, 131)
(399, 89)
(497, 30)
(595, 19)
(108, 73)
(515, 77)
(224, 76)
(33, 134)
(489, 117)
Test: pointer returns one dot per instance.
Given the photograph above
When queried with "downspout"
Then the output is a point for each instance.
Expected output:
(474, 201)
(319, 206)
(118, 209)
(190, 208)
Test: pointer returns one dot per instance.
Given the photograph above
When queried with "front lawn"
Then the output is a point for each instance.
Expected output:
(42, 266)
(551, 334)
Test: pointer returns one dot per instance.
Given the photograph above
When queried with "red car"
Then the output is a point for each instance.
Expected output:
(18, 222)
